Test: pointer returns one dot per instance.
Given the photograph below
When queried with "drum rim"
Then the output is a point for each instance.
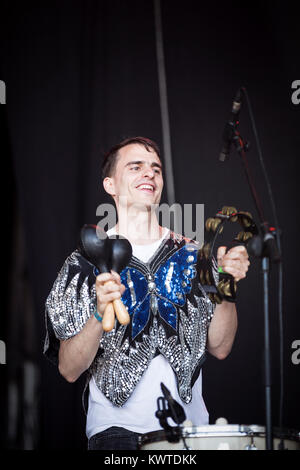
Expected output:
(229, 430)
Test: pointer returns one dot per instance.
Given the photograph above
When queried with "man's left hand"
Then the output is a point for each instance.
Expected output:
(234, 262)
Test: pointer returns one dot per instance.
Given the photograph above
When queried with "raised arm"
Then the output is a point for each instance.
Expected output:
(223, 327)
(78, 352)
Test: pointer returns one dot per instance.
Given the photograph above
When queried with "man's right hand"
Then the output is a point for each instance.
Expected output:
(108, 288)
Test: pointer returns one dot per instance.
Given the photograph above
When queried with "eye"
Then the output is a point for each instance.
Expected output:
(135, 168)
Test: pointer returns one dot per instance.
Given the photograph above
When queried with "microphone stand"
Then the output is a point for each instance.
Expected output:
(263, 247)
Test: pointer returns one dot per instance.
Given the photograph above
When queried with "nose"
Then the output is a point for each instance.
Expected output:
(149, 171)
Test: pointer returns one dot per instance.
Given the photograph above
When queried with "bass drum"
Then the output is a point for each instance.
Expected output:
(216, 437)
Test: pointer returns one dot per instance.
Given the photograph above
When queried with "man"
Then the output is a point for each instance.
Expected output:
(173, 322)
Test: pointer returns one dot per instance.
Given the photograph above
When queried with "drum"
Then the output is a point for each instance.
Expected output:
(218, 437)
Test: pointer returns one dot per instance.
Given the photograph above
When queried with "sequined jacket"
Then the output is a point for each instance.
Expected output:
(170, 314)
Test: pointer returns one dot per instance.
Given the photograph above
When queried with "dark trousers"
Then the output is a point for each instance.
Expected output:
(114, 438)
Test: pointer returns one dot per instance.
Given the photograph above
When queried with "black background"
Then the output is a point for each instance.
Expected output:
(80, 76)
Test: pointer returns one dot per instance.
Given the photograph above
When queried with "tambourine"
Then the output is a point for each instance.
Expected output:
(218, 284)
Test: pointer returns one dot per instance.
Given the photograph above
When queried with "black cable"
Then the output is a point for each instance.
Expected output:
(280, 267)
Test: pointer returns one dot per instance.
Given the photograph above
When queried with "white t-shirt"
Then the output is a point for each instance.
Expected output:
(138, 412)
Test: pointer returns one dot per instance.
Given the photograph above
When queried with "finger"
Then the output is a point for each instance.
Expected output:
(111, 286)
(235, 264)
(106, 298)
(236, 273)
(234, 258)
(238, 251)
(116, 276)
(104, 277)
(113, 295)
(123, 288)
(221, 252)
(240, 248)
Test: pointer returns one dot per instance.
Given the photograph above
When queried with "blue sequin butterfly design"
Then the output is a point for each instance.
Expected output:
(160, 291)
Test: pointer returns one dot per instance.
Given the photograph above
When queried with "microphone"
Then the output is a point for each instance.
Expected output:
(230, 126)
(177, 411)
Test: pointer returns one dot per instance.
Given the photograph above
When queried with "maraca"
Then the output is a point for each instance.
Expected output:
(104, 253)
(120, 252)
(95, 248)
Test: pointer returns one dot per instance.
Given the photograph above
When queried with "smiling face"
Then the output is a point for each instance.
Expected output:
(137, 177)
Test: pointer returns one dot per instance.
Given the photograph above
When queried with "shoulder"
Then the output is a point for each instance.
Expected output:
(76, 259)
(75, 264)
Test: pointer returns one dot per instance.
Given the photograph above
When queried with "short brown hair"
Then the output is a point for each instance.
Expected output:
(110, 158)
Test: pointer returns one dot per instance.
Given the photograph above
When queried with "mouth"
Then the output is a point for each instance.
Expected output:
(147, 188)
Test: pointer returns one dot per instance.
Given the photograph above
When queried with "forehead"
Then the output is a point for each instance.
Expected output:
(136, 152)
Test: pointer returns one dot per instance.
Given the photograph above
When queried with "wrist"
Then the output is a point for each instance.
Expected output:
(98, 316)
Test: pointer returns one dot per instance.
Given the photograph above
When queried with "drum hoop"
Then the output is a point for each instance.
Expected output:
(252, 430)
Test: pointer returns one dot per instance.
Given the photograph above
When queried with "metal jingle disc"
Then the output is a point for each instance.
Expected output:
(228, 210)
(208, 223)
(214, 225)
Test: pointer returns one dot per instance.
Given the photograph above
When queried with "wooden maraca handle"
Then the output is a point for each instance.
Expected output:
(108, 321)
(117, 307)
(121, 312)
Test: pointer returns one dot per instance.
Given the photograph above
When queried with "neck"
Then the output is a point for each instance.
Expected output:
(140, 227)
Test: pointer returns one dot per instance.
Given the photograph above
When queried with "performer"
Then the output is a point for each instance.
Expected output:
(173, 322)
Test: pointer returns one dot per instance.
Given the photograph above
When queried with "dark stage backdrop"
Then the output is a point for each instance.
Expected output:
(80, 76)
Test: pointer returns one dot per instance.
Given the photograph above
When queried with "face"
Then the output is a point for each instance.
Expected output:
(137, 177)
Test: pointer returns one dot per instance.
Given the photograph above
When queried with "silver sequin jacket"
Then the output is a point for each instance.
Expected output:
(170, 314)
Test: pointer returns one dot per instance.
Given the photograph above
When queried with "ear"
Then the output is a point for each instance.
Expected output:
(109, 186)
